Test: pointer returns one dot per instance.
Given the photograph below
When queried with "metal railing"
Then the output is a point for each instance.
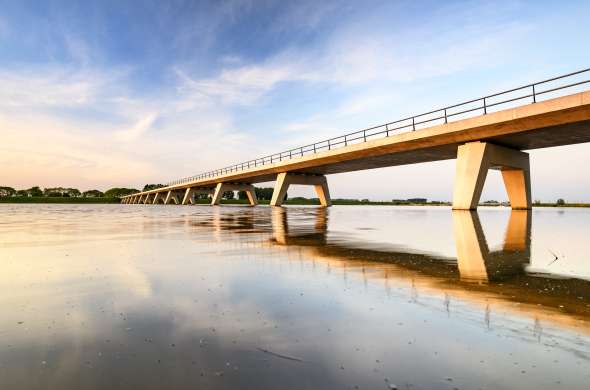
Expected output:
(458, 111)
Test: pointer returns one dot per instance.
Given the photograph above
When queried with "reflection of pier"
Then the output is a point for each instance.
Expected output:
(475, 262)
(499, 275)
(316, 234)
(501, 281)
(474, 259)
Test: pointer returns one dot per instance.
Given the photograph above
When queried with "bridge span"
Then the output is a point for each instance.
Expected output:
(491, 132)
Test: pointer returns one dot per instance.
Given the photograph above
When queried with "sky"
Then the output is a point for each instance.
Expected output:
(123, 93)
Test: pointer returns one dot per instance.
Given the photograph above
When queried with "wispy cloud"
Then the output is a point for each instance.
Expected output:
(139, 128)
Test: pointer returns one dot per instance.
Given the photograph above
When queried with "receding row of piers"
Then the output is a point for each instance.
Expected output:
(189, 195)
(474, 159)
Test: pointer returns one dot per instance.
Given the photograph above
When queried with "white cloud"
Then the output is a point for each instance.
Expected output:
(139, 128)
(241, 85)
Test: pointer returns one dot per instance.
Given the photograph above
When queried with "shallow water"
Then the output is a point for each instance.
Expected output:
(153, 297)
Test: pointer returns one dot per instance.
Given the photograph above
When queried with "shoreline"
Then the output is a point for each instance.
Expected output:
(294, 201)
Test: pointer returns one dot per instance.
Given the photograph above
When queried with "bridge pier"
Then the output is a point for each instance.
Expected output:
(158, 197)
(147, 199)
(172, 196)
(189, 194)
(284, 180)
(473, 161)
(222, 187)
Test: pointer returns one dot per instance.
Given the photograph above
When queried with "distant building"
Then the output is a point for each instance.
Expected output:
(417, 200)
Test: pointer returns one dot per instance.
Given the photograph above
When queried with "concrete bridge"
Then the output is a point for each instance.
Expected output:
(486, 133)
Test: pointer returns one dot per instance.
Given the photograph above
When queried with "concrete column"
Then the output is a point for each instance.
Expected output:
(284, 180)
(190, 193)
(172, 196)
(158, 197)
(217, 194)
(189, 196)
(222, 187)
(473, 161)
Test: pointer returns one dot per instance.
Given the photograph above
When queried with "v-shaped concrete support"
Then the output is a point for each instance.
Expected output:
(172, 196)
(473, 161)
(222, 187)
(284, 180)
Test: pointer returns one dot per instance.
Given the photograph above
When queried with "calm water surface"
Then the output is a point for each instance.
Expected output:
(195, 297)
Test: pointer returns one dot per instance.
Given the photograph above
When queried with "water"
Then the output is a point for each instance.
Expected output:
(153, 297)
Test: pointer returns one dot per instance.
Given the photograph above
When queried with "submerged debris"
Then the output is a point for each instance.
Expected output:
(279, 355)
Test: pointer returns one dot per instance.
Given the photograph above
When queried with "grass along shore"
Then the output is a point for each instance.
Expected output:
(56, 199)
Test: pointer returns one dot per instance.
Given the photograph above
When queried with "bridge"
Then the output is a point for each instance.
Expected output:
(490, 132)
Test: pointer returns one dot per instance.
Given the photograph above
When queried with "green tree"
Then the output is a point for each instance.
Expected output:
(228, 195)
(265, 193)
(119, 192)
(22, 193)
(53, 192)
(560, 202)
(92, 194)
(34, 191)
(72, 192)
(7, 191)
(149, 187)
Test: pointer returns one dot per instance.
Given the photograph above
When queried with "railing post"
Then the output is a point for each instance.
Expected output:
(485, 107)
(364, 135)
(413, 124)
(313, 148)
(387, 130)
(446, 116)
(329, 147)
(534, 94)
(302, 151)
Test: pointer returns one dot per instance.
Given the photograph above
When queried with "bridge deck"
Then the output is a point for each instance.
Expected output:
(560, 121)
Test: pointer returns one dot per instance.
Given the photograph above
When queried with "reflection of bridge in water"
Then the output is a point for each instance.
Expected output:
(489, 279)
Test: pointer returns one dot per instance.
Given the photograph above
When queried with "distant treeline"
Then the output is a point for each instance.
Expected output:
(63, 192)
(264, 195)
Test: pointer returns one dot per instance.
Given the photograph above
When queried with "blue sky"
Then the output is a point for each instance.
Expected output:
(123, 93)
